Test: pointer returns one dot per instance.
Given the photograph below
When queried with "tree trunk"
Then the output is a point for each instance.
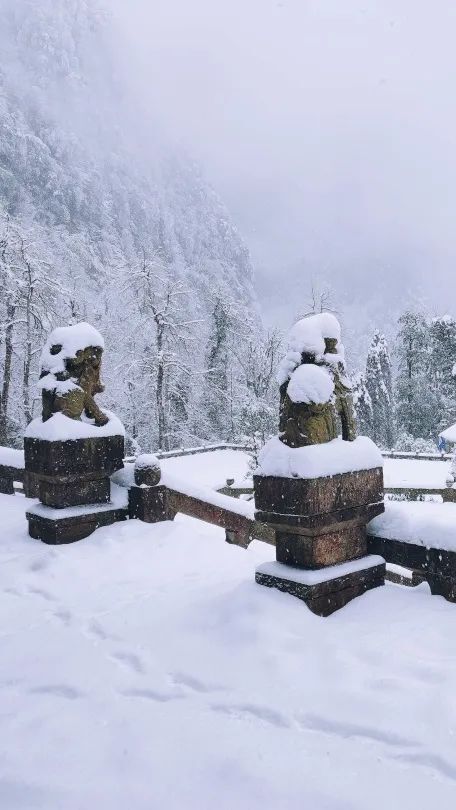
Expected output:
(161, 415)
(27, 357)
(10, 312)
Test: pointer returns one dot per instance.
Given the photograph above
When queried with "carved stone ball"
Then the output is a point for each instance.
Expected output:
(147, 470)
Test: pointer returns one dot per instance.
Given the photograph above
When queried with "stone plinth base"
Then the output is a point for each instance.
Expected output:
(327, 590)
(59, 526)
(320, 521)
(74, 472)
(80, 490)
(322, 498)
(337, 544)
(149, 504)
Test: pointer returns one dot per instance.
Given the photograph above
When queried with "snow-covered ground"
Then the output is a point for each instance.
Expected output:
(143, 668)
(209, 469)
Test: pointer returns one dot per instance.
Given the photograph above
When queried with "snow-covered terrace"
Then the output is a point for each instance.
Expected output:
(144, 668)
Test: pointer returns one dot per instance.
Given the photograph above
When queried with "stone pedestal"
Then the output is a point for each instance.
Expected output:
(149, 504)
(71, 475)
(320, 523)
(73, 472)
(328, 589)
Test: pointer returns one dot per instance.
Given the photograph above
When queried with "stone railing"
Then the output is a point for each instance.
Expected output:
(14, 479)
(411, 456)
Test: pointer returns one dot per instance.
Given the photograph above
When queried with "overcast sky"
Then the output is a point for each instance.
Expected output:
(328, 126)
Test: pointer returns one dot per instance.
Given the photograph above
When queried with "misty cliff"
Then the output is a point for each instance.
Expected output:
(74, 155)
(118, 227)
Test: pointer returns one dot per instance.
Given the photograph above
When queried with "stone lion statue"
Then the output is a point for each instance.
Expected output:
(316, 402)
(70, 376)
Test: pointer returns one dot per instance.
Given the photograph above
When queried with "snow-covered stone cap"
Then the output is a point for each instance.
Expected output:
(72, 339)
(61, 428)
(318, 460)
(308, 335)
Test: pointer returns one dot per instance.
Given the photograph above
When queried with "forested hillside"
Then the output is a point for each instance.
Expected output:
(99, 221)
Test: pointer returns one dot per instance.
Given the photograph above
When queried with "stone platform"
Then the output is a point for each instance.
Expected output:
(74, 487)
(62, 526)
(328, 589)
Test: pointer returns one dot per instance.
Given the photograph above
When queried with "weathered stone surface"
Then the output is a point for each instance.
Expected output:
(147, 474)
(437, 566)
(315, 496)
(326, 597)
(31, 485)
(339, 545)
(74, 457)
(149, 504)
(415, 557)
(65, 530)
(153, 504)
(59, 494)
(406, 554)
(442, 586)
(71, 389)
(8, 475)
(313, 525)
(305, 423)
(6, 484)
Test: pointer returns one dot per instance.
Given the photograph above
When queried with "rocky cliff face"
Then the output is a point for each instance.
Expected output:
(109, 217)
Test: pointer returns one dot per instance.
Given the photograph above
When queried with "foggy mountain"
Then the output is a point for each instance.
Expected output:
(327, 127)
(105, 218)
(77, 157)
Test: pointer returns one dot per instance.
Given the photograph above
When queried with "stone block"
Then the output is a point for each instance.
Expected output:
(341, 543)
(442, 586)
(71, 528)
(6, 485)
(329, 594)
(60, 494)
(74, 457)
(313, 525)
(31, 485)
(277, 496)
(149, 504)
(147, 470)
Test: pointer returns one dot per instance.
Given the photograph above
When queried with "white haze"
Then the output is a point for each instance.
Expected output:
(328, 127)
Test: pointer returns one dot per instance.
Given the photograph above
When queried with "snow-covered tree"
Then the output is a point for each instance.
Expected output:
(416, 401)
(441, 361)
(158, 307)
(90, 193)
(257, 400)
(217, 388)
(363, 405)
(378, 380)
(31, 302)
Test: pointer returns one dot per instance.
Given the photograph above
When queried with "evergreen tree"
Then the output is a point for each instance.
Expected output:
(218, 379)
(379, 387)
(416, 404)
(442, 357)
(363, 405)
